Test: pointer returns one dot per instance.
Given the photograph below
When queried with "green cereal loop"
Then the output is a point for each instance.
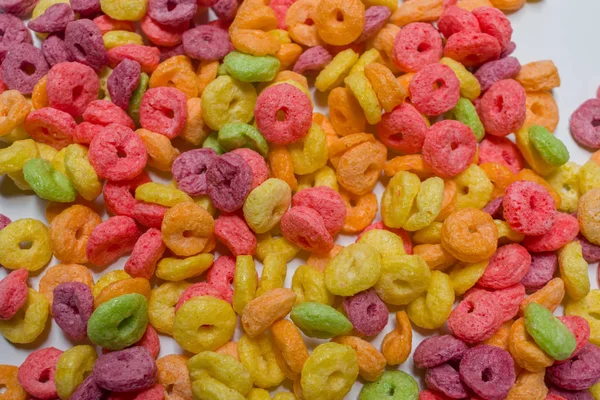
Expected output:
(392, 385)
(553, 337)
(120, 322)
(136, 98)
(47, 182)
(222, 70)
(548, 146)
(320, 320)
(249, 68)
(235, 135)
(212, 142)
(465, 112)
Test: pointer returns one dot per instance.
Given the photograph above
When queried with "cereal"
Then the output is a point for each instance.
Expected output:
(29, 322)
(577, 375)
(434, 89)
(72, 367)
(54, 19)
(469, 235)
(327, 362)
(229, 180)
(582, 124)
(13, 293)
(138, 370)
(84, 41)
(15, 32)
(449, 148)
(541, 270)
(472, 48)
(507, 267)
(111, 239)
(26, 245)
(37, 373)
(415, 36)
(8, 377)
(14, 73)
(500, 374)
(529, 208)
(72, 306)
(494, 71)
(549, 332)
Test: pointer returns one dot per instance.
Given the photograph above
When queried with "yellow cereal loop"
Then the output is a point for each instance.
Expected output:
(427, 206)
(259, 357)
(398, 198)
(161, 194)
(403, 279)
(107, 279)
(245, 282)
(336, 71)
(473, 187)
(73, 366)
(309, 285)
(222, 367)
(161, 305)
(29, 322)
(565, 181)
(387, 243)
(322, 177)
(588, 308)
(273, 274)
(114, 39)
(132, 10)
(178, 269)
(431, 234)
(309, 153)
(81, 173)
(366, 58)
(354, 269)
(329, 372)
(226, 100)
(589, 177)
(505, 234)
(25, 244)
(432, 310)
(574, 270)
(469, 85)
(366, 96)
(465, 275)
(14, 157)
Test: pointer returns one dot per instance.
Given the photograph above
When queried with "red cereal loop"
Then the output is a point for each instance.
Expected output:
(449, 148)
(455, 19)
(580, 328)
(148, 214)
(103, 112)
(164, 110)
(162, 35)
(119, 196)
(403, 129)
(51, 126)
(507, 267)
(107, 24)
(220, 276)
(435, 89)
(111, 239)
(71, 87)
(563, 231)
(156, 392)
(117, 153)
(509, 299)
(196, 290)
(85, 132)
(500, 150)
(147, 56)
(13, 293)
(258, 165)
(148, 249)
(493, 22)
(150, 341)
(281, 7)
(327, 202)
(416, 45)
(283, 114)
(233, 232)
(305, 228)
(472, 48)
(406, 239)
(502, 108)
(475, 318)
(36, 374)
(528, 208)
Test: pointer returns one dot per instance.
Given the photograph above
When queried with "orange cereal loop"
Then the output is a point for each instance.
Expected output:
(345, 113)
(397, 344)
(525, 351)
(195, 129)
(504, 5)
(360, 167)
(300, 19)
(417, 11)
(340, 22)
(470, 235)
(448, 201)
(371, 363)
(541, 109)
(500, 176)
(9, 382)
(70, 231)
(550, 296)
(435, 256)
(188, 229)
(207, 72)
(161, 152)
(470, 5)
(383, 41)
(539, 76)
(124, 286)
(254, 41)
(291, 347)
(39, 96)
(320, 261)
(412, 163)
(327, 128)
(596, 157)
(173, 375)
(281, 165)
(501, 337)
(62, 273)
(360, 211)
(287, 54)
(340, 146)
(390, 92)
(176, 72)
(528, 175)
(405, 80)
(291, 76)
(229, 348)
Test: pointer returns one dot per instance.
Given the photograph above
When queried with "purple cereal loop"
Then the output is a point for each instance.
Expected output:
(229, 181)
(23, 67)
(14, 33)
(172, 12)
(4, 220)
(494, 208)
(541, 271)
(494, 71)
(445, 379)
(375, 18)
(312, 60)
(585, 124)
(590, 251)
(189, 170)
(206, 42)
(84, 39)
(578, 373)
(510, 48)
(489, 371)
(121, 83)
(86, 7)
(367, 312)
(54, 19)
(569, 394)
(437, 350)
(72, 306)
(135, 366)
(20, 8)
(89, 390)
(225, 9)
(55, 50)
(168, 52)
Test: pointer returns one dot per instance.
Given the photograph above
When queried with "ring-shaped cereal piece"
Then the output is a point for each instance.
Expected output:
(173, 374)
(418, 44)
(360, 167)
(71, 87)
(111, 239)
(50, 126)
(8, 379)
(305, 228)
(122, 287)
(70, 231)
(62, 273)
(23, 66)
(25, 244)
(229, 180)
(36, 374)
(13, 293)
(529, 208)
(187, 229)
(472, 48)
(14, 108)
(449, 148)
(502, 108)
(470, 235)
(403, 129)
(582, 124)
(340, 22)
(360, 211)
(541, 110)
(226, 100)
(164, 110)
(29, 322)
(434, 89)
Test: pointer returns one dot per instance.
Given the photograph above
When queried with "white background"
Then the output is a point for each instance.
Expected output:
(565, 31)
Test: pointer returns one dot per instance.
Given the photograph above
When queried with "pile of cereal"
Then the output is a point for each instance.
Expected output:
(123, 88)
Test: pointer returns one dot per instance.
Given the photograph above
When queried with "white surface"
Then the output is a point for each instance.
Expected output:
(562, 30)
